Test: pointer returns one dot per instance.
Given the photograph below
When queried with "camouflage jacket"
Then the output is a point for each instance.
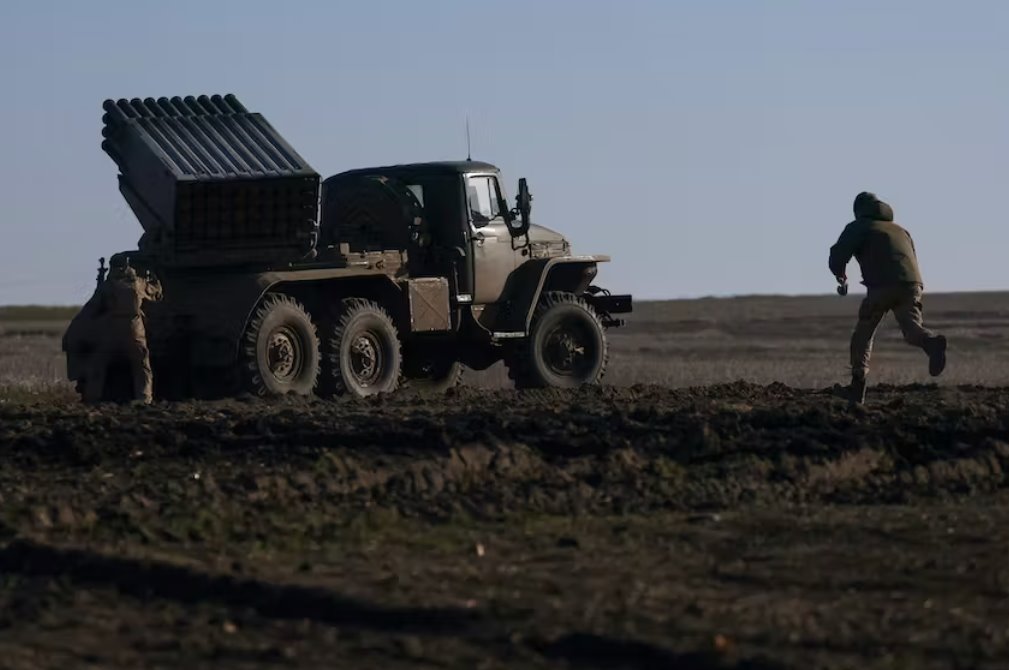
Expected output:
(884, 251)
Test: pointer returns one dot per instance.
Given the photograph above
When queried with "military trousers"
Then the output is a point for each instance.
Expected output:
(136, 355)
(904, 300)
(124, 341)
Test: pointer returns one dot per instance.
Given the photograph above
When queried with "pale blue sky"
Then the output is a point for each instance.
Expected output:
(711, 148)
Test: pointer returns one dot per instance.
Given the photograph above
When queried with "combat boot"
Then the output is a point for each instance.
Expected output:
(936, 350)
(856, 391)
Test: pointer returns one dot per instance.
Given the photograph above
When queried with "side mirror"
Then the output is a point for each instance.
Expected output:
(523, 208)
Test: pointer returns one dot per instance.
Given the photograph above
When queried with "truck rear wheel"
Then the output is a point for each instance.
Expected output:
(363, 354)
(280, 349)
(566, 346)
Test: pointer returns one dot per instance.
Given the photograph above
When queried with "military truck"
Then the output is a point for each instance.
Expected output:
(276, 281)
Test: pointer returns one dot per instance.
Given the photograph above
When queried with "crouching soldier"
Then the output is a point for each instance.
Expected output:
(122, 337)
(886, 255)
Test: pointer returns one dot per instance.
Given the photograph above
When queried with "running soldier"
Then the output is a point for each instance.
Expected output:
(889, 264)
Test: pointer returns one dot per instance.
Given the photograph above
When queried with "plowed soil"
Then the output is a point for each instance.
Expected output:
(729, 526)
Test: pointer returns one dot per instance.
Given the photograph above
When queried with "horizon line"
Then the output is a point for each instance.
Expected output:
(727, 296)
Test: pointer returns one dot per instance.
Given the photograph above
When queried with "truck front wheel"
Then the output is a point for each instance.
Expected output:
(363, 354)
(566, 346)
(280, 349)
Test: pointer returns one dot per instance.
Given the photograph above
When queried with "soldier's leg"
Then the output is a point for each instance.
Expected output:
(870, 313)
(909, 313)
(148, 378)
(143, 377)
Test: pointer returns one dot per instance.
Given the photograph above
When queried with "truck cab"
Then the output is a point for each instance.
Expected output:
(464, 227)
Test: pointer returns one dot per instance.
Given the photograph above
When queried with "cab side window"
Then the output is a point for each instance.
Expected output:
(484, 199)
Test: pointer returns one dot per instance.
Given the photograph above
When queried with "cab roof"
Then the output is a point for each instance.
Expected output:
(437, 167)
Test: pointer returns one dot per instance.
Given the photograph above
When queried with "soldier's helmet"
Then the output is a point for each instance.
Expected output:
(868, 206)
(863, 201)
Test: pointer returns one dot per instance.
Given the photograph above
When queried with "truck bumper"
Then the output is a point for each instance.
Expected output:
(606, 305)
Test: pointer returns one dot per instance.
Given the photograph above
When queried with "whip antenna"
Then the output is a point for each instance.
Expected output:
(469, 154)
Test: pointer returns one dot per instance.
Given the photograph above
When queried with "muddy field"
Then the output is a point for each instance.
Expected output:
(738, 525)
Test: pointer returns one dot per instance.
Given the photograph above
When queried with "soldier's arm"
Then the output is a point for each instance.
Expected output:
(845, 247)
(152, 290)
(911, 240)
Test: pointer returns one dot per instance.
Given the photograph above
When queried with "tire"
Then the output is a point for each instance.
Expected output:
(566, 346)
(363, 355)
(431, 372)
(280, 349)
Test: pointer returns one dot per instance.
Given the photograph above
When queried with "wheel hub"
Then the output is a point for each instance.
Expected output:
(366, 359)
(283, 354)
(566, 351)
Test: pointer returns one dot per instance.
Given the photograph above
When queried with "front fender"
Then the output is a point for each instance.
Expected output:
(563, 273)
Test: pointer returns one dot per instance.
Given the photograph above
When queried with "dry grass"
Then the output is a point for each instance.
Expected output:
(799, 341)
(31, 361)
(20, 313)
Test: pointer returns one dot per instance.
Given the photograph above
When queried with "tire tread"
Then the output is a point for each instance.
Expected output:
(519, 363)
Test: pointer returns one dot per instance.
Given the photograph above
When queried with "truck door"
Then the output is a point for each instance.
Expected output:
(492, 251)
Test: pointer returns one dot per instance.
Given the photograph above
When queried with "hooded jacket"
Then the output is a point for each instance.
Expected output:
(884, 251)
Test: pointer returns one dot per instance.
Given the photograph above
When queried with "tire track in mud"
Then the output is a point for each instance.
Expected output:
(149, 578)
(588, 650)
(144, 578)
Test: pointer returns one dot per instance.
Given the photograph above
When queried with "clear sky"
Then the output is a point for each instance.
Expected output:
(711, 148)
